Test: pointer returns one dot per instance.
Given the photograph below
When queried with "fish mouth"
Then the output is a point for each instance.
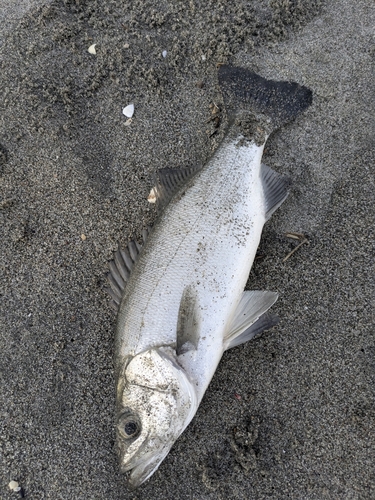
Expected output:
(144, 470)
(133, 459)
(142, 464)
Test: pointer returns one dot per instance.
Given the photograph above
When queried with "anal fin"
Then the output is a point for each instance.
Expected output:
(265, 322)
(275, 189)
(250, 318)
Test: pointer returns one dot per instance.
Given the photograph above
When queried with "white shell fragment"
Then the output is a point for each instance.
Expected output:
(152, 196)
(128, 111)
(164, 53)
(91, 49)
(13, 485)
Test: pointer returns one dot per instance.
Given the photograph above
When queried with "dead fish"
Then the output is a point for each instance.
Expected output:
(184, 302)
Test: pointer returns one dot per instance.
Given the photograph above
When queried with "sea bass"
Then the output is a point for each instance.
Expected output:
(180, 296)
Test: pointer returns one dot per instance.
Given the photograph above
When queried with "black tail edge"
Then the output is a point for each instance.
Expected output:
(276, 102)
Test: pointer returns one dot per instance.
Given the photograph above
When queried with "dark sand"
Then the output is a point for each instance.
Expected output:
(302, 424)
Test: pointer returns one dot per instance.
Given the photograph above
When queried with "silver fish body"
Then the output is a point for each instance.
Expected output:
(184, 303)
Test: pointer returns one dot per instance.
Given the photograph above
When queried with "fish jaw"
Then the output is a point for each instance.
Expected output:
(156, 401)
(140, 473)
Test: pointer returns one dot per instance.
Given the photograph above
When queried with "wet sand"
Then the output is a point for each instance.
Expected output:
(288, 415)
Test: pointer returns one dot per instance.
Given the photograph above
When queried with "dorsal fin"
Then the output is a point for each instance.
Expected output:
(275, 189)
(120, 268)
(167, 182)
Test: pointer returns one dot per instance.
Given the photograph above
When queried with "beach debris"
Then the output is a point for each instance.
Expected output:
(83, 237)
(92, 49)
(215, 118)
(128, 122)
(152, 196)
(295, 236)
(128, 111)
(203, 57)
(164, 53)
(214, 108)
(14, 486)
(126, 45)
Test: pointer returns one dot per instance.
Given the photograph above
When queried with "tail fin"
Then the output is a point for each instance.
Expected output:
(273, 103)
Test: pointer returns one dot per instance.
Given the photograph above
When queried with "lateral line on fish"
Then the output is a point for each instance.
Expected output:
(223, 182)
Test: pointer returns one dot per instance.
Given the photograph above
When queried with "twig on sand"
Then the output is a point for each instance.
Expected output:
(295, 236)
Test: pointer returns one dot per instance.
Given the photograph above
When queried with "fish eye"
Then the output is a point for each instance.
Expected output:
(129, 426)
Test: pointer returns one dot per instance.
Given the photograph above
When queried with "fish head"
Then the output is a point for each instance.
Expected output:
(155, 402)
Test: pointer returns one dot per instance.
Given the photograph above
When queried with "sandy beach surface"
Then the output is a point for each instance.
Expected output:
(290, 415)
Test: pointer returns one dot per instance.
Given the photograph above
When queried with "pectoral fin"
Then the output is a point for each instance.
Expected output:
(188, 322)
(250, 318)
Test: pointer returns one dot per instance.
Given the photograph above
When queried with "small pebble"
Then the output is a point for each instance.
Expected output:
(128, 111)
(128, 122)
(91, 49)
(13, 485)
(126, 46)
(203, 57)
(8, 202)
(164, 53)
(83, 237)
